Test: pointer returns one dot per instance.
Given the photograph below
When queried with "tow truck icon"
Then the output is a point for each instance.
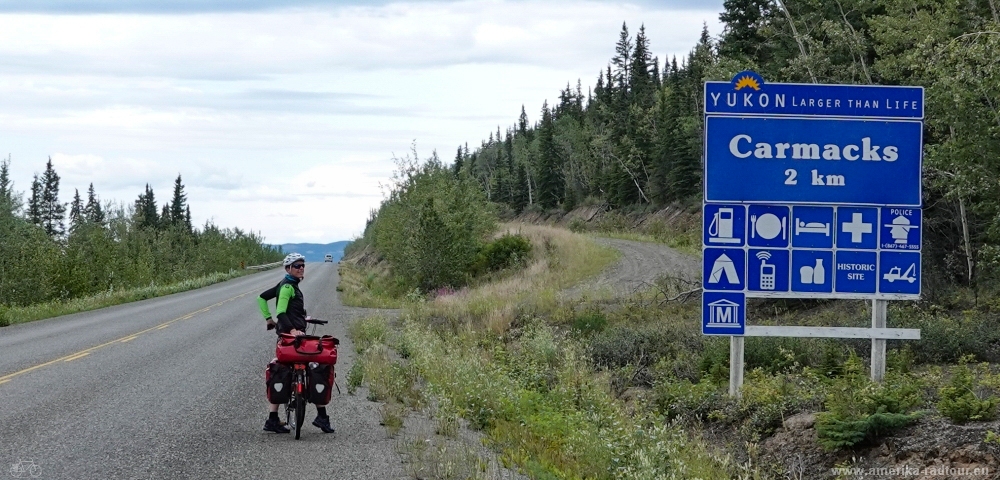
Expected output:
(894, 274)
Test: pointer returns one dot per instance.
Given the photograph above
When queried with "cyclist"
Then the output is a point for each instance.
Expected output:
(291, 313)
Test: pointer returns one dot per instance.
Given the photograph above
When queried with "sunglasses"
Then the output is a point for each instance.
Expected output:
(298, 266)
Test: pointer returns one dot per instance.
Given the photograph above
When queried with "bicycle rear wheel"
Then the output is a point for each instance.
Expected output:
(290, 412)
(300, 414)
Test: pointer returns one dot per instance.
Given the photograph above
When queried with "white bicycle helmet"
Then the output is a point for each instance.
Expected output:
(292, 258)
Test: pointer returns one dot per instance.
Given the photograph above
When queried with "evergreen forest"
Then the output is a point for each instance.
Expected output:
(53, 251)
(635, 140)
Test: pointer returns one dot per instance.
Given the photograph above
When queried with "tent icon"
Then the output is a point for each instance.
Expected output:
(724, 266)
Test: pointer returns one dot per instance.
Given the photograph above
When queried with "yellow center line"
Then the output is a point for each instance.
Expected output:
(87, 351)
(128, 339)
(84, 354)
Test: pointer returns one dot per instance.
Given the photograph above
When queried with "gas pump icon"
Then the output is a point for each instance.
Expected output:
(721, 228)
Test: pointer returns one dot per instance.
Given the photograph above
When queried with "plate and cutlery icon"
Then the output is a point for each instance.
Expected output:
(768, 226)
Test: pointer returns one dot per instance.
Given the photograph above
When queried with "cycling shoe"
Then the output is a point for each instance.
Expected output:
(275, 426)
(323, 424)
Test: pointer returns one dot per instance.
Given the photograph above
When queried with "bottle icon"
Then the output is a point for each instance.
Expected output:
(819, 273)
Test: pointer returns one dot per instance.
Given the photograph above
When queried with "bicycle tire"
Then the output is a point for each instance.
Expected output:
(300, 414)
(290, 411)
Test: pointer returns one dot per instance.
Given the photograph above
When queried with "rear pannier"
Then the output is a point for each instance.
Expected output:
(321, 378)
(278, 378)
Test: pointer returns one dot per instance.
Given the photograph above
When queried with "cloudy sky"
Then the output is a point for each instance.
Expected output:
(282, 117)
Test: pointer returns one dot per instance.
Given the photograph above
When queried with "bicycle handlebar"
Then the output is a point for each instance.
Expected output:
(317, 322)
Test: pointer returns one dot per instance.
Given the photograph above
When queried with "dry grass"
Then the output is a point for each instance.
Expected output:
(561, 259)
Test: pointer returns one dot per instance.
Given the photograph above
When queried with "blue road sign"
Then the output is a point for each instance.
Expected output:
(767, 270)
(723, 313)
(812, 227)
(724, 269)
(811, 191)
(856, 272)
(857, 228)
(769, 226)
(724, 225)
(748, 94)
(812, 271)
(900, 229)
(813, 160)
(899, 272)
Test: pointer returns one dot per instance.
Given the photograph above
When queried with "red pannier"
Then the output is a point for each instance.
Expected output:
(307, 348)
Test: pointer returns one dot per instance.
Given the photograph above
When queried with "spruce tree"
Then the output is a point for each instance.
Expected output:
(145, 210)
(52, 213)
(549, 169)
(10, 202)
(93, 208)
(178, 204)
(76, 210)
(459, 160)
(35, 202)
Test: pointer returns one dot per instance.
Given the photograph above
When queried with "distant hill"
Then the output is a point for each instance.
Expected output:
(314, 252)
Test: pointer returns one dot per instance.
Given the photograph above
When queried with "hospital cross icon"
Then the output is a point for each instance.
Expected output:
(856, 227)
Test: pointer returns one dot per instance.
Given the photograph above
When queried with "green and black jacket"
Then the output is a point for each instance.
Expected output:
(291, 310)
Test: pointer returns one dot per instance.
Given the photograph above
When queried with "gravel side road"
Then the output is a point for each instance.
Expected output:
(641, 263)
(173, 387)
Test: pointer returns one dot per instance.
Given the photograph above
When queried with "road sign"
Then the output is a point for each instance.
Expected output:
(856, 272)
(769, 226)
(747, 94)
(812, 227)
(767, 270)
(813, 160)
(857, 228)
(812, 271)
(899, 272)
(900, 229)
(724, 225)
(723, 313)
(724, 269)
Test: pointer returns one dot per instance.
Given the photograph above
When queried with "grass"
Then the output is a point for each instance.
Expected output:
(563, 389)
(14, 315)
(488, 353)
(366, 287)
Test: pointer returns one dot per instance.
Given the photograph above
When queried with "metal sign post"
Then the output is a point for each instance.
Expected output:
(811, 191)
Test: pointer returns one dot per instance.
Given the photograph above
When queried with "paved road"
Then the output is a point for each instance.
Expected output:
(173, 387)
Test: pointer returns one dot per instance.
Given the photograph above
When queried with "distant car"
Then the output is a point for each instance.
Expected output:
(328, 258)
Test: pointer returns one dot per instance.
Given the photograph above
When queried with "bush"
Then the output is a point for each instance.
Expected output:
(508, 251)
(959, 401)
(591, 321)
(859, 409)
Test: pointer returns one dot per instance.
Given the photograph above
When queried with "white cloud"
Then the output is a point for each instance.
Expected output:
(285, 121)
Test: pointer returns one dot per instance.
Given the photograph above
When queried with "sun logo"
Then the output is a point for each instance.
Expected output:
(747, 81)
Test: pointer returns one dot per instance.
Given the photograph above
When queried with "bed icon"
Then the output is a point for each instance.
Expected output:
(812, 227)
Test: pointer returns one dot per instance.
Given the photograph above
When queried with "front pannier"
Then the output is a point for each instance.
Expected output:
(278, 378)
(321, 378)
(307, 348)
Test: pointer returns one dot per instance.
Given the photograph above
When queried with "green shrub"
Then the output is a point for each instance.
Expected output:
(510, 250)
(591, 321)
(622, 346)
(959, 401)
(577, 225)
(691, 401)
(858, 409)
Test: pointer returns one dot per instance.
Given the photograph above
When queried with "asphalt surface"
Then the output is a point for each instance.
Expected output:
(173, 387)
